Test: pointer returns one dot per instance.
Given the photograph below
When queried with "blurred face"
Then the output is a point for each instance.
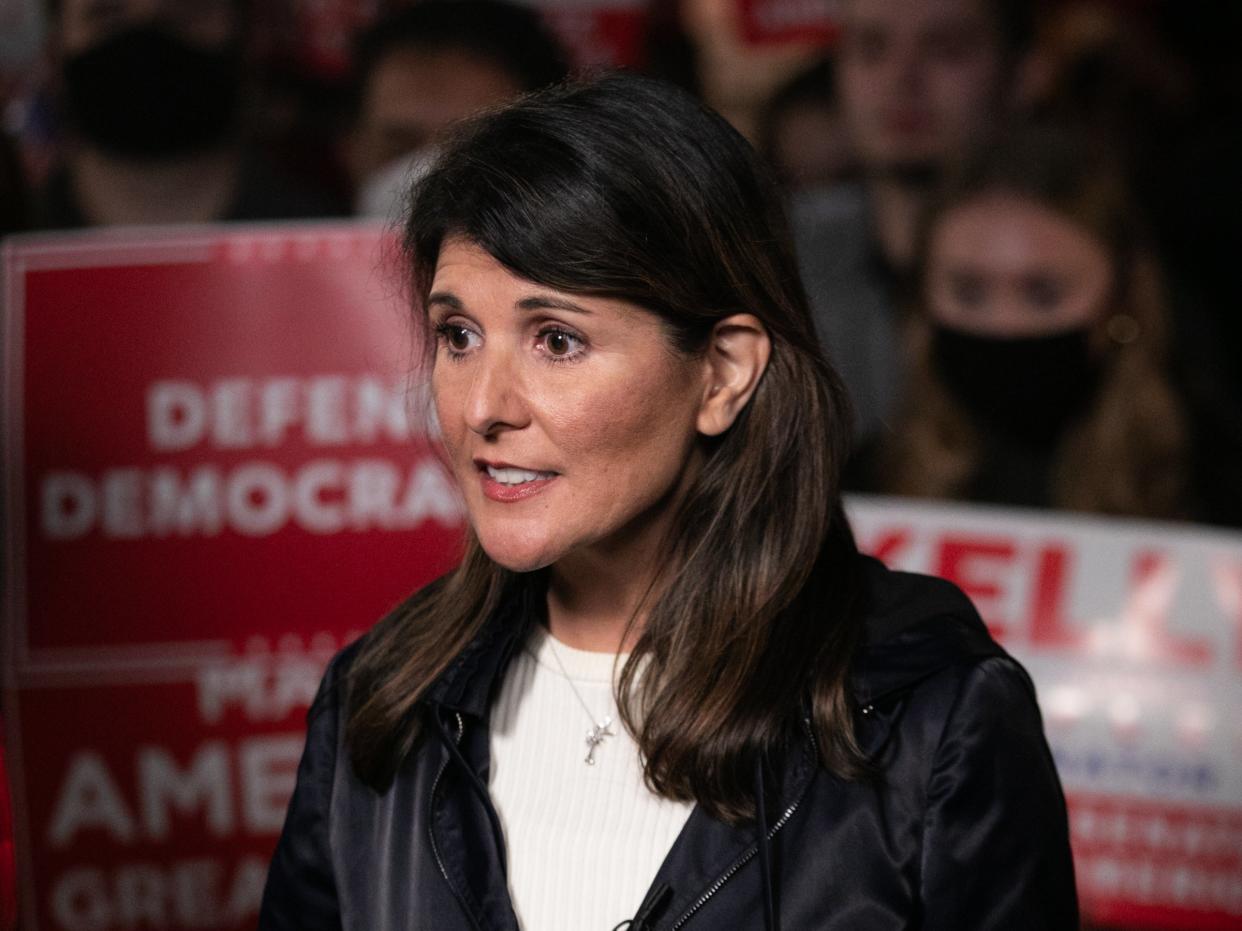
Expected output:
(414, 95)
(919, 78)
(809, 146)
(1005, 266)
(86, 23)
(569, 421)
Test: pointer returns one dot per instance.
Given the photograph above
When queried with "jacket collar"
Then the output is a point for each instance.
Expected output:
(916, 625)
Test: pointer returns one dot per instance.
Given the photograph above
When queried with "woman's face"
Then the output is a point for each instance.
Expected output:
(1005, 266)
(569, 421)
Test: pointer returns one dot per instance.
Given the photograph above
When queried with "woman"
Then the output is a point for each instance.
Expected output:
(648, 442)
(1040, 373)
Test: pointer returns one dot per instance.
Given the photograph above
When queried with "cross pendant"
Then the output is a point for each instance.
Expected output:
(595, 736)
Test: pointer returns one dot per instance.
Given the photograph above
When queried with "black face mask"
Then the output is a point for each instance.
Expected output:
(144, 93)
(1027, 388)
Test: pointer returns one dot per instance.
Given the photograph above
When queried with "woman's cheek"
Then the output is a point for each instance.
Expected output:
(449, 417)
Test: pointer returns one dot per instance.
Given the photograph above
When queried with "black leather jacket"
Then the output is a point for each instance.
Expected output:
(965, 828)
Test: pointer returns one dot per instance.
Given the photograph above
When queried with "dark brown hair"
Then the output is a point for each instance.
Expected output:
(627, 188)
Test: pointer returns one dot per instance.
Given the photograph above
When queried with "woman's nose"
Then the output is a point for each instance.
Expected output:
(494, 402)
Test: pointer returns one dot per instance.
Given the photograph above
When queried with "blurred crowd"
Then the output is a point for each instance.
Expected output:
(1012, 216)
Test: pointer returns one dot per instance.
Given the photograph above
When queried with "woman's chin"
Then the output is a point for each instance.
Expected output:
(518, 555)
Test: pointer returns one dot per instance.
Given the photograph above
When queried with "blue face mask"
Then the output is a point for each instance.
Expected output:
(1028, 388)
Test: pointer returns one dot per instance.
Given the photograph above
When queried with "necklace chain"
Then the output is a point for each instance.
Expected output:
(599, 729)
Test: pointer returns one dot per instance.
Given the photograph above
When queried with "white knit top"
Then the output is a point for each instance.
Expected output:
(584, 842)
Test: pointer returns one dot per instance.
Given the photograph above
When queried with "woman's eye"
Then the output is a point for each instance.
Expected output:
(559, 343)
(455, 336)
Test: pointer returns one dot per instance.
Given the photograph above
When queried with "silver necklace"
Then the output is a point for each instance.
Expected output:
(599, 729)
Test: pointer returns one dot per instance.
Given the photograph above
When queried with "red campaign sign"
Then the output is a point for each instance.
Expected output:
(218, 473)
(779, 22)
(599, 35)
(1132, 632)
(155, 815)
(235, 411)
(1135, 857)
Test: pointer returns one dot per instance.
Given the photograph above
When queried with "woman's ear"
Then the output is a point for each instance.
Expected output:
(736, 356)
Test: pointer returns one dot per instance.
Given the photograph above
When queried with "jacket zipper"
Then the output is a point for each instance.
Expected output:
(737, 865)
(749, 854)
(435, 848)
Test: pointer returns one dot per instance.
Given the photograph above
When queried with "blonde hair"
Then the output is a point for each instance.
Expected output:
(1127, 454)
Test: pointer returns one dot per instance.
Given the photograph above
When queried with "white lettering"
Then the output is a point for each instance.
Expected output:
(380, 407)
(196, 894)
(245, 413)
(230, 406)
(257, 500)
(89, 799)
(176, 415)
(326, 422)
(80, 901)
(68, 505)
(162, 785)
(184, 894)
(314, 513)
(246, 893)
(268, 773)
(122, 503)
(223, 684)
(278, 409)
(430, 495)
(140, 897)
(264, 690)
(295, 682)
(372, 494)
(189, 509)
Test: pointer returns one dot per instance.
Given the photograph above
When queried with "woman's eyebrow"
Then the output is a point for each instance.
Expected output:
(544, 302)
(451, 301)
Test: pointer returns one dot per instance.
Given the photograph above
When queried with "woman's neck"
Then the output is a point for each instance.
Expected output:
(591, 603)
(599, 596)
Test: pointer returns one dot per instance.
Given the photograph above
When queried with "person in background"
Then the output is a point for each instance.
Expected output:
(1159, 85)
(1039, 359)
(152, 92)
(422, 69)
(801, 133)
(920, 82)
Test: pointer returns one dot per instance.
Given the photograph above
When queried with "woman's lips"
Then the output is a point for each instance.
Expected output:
(508, 483)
